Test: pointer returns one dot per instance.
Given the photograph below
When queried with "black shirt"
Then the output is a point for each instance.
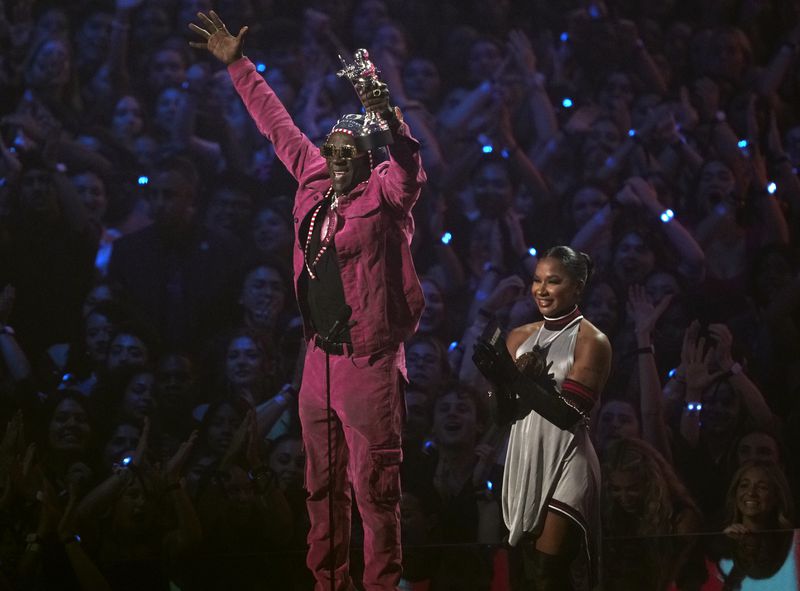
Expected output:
(324, 296)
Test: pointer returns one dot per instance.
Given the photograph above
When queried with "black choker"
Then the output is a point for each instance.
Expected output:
(561, 321)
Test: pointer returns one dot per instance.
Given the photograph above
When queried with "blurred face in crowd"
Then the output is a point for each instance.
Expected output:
(418, 417)
(80, 475)
(229, 210)
(626, 490)
(221, 427)
(601, 308)
(263, 295)
(287, 461)
(792, 142)
(51, 67)
(728, 55)
(554, 290)
(200, 468)
(271, 233)
(69, 430)
(422, 81)
(151, 25)
(138, 401)
(634, 260)
(171, 199)
(717, 185)
(123, 441)
(167, 69)
(98, 334)
(455, 420)
(97, 295)
(484, 61)
(126, 350)
(618, 88)
(240, 492)
(643, 107)
(53, 22)
(145, 148)
(133, 512)
(368, 16)
(188, 9)
(617, 419)
(174, 381)
(424, 364)
(481, 242)
(280, 83)
(661, 284)
(127, 121)
(170, 105)
(92, 192)
(758, 446)
(389, 37)
(38, 196)
(721, 409)
(433, 314)
(604, 137)
(94, 37)
(244, 363)
(585, 203)
(492, 189)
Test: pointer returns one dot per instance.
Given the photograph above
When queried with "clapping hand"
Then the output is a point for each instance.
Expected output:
(176, 464)
(496, 365)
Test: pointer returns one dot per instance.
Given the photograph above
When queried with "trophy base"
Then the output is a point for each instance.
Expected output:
(374, 140)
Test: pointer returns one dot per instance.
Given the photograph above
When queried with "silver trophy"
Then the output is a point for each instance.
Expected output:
(363, 74)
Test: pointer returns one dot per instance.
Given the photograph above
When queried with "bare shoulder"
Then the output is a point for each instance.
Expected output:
(521, 334)
(593, 340)
(592, 357)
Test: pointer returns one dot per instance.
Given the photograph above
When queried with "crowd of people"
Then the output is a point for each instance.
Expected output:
(151, 348)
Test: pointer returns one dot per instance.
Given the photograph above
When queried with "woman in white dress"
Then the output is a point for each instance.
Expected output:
(552, 477)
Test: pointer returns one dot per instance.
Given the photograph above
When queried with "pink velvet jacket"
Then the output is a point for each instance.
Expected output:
(374, 243)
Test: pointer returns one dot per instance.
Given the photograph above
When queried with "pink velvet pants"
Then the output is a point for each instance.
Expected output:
(367, 403)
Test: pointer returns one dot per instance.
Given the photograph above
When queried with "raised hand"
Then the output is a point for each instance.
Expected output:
(581, 121)
(506, 291)
(375, 98)
(520, 48)
(174, 469)
(218, 40)
(642, 311)
(722, 334)
(141, 447)
(697, 367)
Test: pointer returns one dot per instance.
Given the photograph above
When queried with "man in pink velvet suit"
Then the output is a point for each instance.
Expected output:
(360, 298)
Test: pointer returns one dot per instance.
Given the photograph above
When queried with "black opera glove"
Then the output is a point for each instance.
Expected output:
(497, 366)
(541, 396)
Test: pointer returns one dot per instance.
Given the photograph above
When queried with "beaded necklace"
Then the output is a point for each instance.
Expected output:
(329, 228)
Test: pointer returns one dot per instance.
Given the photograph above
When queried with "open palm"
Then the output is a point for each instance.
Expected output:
(218, 40)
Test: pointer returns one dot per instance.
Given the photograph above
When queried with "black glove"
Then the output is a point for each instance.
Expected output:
(495, 364)
(541, 396)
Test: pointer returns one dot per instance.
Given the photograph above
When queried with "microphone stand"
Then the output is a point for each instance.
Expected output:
(335, 331)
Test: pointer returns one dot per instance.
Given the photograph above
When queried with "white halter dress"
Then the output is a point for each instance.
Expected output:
(549, 468)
